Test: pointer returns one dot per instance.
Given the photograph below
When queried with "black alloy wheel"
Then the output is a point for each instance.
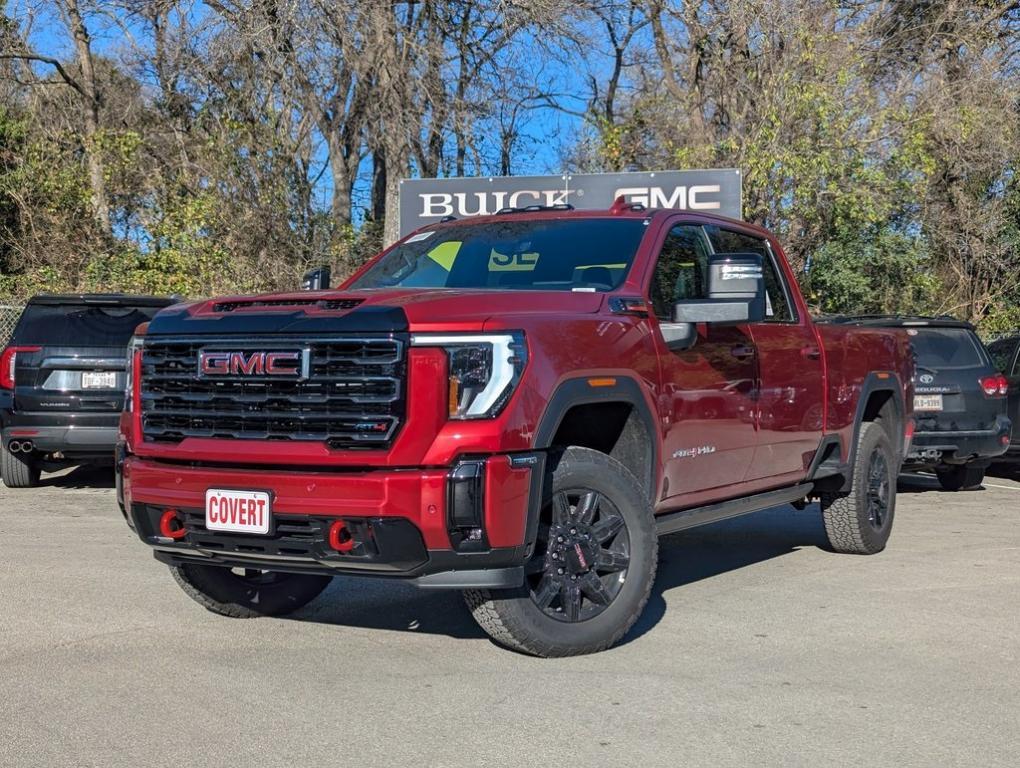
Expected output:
(878, 489)
(580, 564)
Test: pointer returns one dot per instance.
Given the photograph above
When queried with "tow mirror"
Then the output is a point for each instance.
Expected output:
(316, 279)
(736, 295)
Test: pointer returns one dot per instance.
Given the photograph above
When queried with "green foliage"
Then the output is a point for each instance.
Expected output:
(881, 273)
(181, 258)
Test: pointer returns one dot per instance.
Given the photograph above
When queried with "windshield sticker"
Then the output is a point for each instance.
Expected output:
(419, 237)
(512, 262)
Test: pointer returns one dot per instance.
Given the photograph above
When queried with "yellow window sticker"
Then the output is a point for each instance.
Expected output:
(444, 254)
(513, 262)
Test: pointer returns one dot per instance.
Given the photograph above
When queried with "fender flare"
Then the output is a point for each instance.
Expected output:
(872, 384)
(577, 391)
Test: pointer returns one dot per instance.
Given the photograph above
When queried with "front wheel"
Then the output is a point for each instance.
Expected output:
(593, 566)
(860, 522)
(960, 477)
(244, 593)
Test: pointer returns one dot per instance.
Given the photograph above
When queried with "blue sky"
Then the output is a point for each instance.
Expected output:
(548, 133)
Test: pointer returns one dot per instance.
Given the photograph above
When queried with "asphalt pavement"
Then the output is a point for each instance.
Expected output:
(758, 647)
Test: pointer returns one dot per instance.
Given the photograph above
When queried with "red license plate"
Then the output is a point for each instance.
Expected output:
(237, 511)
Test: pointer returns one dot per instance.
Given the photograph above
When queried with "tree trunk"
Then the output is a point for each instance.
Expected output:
(97, 176)
(343, 180)
(378, 185)
(395, 171)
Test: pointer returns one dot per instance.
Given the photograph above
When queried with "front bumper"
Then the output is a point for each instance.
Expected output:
(425, 524)
(960, 446)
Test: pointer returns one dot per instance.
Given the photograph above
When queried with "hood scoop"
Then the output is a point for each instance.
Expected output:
(327, 304)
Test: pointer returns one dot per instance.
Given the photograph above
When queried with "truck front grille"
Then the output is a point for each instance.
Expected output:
(349, 392)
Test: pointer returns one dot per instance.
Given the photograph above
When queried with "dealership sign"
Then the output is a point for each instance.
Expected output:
(424, 201)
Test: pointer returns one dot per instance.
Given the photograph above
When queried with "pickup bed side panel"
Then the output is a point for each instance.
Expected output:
(860, 362)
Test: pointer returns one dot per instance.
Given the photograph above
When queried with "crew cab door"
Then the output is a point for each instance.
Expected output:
(790, 403)
(708, 390)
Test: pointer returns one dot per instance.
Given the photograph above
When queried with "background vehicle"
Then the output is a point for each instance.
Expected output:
(62, 381)
(1005, 354)
(514, 406)
(959, 400)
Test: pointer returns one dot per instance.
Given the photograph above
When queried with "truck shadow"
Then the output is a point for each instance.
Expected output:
(684, 558)
(712, 550)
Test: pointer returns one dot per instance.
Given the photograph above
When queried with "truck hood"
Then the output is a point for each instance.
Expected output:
(365, 311)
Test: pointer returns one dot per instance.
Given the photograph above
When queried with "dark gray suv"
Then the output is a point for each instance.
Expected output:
(62, 381)
(959, 400)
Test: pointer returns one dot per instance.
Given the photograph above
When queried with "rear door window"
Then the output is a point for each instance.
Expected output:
(80, 325)
(943, 348)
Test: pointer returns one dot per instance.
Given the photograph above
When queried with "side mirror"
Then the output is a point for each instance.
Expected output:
(316, 279)
(736, 295)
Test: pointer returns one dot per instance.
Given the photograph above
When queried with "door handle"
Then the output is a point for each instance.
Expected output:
(742, 352)
(811, 352)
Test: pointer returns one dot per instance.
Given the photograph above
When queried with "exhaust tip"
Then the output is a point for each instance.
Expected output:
(14, 446)
(27, 446)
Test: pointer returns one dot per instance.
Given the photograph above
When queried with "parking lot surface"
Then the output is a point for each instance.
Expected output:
(757, 647)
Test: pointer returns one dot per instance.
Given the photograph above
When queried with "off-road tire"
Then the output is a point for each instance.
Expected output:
(961, 477)
(513, 619)
(850, 519)
(19, 470)
(222, 591)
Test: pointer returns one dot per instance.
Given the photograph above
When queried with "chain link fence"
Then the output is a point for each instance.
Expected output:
(9, 314)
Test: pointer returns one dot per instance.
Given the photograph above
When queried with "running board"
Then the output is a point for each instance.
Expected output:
(671, 522)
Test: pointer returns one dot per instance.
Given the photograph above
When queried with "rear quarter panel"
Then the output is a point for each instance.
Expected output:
(853, 356)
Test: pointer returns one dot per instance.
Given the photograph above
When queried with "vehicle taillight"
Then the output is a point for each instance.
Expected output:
(7, 359)
(995, 386)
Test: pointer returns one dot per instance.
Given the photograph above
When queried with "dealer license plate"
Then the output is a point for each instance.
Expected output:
(927, 402)
(98, 380)
(237, 511)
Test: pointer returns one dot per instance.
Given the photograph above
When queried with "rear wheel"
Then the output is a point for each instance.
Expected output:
(860, 522)
(593, 566)
(19, 470)
(244, 593)
(961, 477)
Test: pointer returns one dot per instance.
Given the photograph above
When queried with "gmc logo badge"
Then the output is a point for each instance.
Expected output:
(225, 363)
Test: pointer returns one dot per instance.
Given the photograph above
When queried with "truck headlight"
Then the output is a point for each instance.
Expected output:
(484, 370)
(133, 349)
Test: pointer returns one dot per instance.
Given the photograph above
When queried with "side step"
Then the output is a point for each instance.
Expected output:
(671, 522)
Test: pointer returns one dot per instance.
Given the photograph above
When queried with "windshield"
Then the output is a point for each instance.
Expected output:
(77, 325)
(939, 348)
(546, 255)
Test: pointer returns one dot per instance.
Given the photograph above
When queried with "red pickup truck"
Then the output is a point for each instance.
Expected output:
(515, 406)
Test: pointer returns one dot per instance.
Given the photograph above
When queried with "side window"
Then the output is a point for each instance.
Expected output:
(680, 270)
(778, 308)
(1003, 353)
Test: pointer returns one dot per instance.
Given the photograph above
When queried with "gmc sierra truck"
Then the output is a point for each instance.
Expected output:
(515, 406)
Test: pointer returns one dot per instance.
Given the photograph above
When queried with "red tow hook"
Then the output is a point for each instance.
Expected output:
(340, 538)
(171, 526)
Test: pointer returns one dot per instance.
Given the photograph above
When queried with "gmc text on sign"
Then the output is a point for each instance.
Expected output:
(423, 201)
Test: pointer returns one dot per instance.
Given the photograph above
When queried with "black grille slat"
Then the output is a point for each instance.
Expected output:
(353, 397)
